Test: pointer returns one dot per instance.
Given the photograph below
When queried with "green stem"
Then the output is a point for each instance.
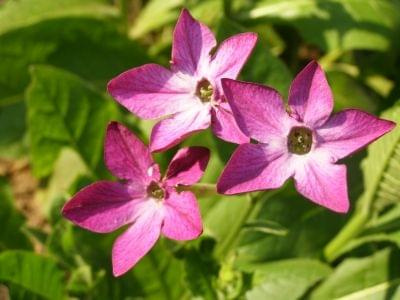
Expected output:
(200, 189)
(227, 8)
(350, 230)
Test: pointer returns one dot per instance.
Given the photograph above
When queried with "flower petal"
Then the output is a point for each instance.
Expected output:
(310, 97)
(137, 241)
(224, 125)
(192, 44)
(258, 110)
(151, 91)
(231, 55)
(170, 132)
(254, 167)
(127, 157)
(323, 183)
(187, 166)
(182, 219)
(103, 206)
(348, 131)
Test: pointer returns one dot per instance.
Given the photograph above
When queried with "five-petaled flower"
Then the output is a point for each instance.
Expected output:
(189, 96)
(304, 142)
(150, 204)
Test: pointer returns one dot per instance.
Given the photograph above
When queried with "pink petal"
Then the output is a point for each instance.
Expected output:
(348, 131)
(137, 241)
(323, 183)
(192, 44)
(258, 110)
(224, 125)
(151, 91)
(231, 55)
(103, 206)
(254, 167)
(127, 157)
(187, 166)
(182, 219)
(170, 132)
(310, 97)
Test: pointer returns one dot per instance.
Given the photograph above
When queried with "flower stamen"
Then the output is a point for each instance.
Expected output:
(300, 140)
(155, 191)
(204, 90)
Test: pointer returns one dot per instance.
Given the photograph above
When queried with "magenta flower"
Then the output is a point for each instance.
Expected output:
(149, 204)
(189, 96)
(304, 142)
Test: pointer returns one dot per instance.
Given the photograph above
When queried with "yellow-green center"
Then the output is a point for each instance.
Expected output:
(300, 140)
(155, 191)
(204, 90)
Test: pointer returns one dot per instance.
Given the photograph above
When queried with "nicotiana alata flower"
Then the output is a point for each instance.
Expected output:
(303, 142)
(149, 204)
(189, 96)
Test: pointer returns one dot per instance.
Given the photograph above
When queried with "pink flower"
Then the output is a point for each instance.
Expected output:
(189, 96)
(304, 142)
(149, 204)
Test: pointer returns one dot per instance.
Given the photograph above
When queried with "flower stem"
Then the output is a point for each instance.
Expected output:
(200, 189)
(351, 229)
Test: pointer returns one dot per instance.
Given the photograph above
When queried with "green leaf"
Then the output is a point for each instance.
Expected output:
(286, 279)
(348, 92)
(201, 272)
(336, 24)
(374, 277)
(155, 14)
(35, 274)
(12, 124)
(380, 167)
(17, 14)
(11, 221)
(381, 184)
(299, 216)
(64, 110)
(262, 66)
(267, 227)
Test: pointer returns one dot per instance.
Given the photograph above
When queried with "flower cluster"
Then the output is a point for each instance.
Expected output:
(276, 142)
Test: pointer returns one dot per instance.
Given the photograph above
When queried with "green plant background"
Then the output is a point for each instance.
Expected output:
(56, 57)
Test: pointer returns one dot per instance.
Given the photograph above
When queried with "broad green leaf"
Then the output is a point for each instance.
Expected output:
(12, 124)
(11, 221)
(348, 92)
(381, 183)
(200, 273)
(286, 279)
(262, 66)
(65, 111)
(155, 14)
(35, 274)
(299, 216)
(93, 49)
(336, 24)
(380, 167)
(375, 277)
(17, 14)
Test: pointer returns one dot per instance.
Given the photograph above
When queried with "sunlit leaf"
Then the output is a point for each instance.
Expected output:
(286, 279)
(35, 274)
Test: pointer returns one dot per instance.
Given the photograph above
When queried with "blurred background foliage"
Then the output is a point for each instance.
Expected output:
(56, 57)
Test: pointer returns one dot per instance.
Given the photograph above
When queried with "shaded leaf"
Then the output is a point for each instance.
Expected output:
(11, 221)
(63, 110)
